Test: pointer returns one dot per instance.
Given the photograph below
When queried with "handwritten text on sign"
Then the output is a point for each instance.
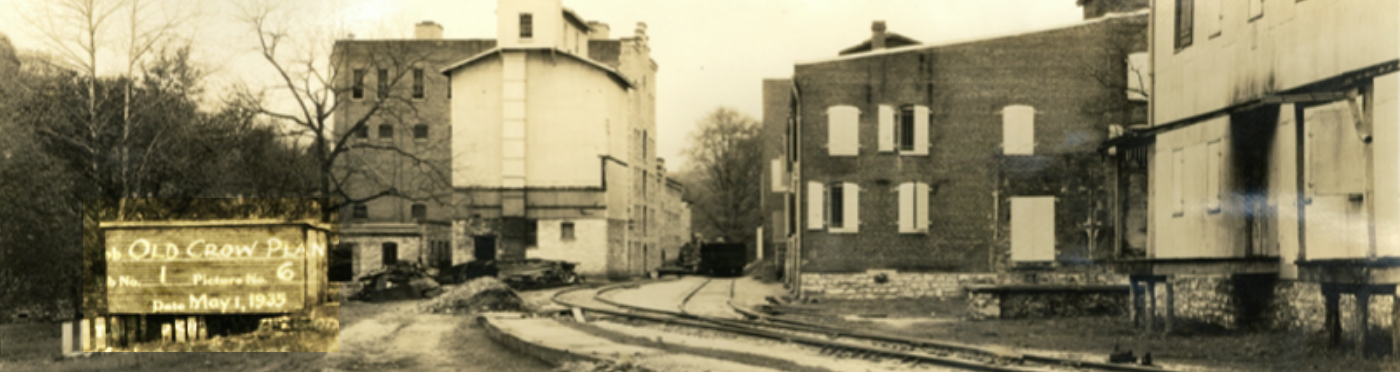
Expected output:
(236, 269)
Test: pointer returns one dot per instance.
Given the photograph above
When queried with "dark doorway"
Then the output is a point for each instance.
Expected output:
(485, 248)
(391, 253)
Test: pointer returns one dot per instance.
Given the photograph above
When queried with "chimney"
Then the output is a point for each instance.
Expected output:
(641, 33)
(427, 30)
(598, 30)
(877, 37)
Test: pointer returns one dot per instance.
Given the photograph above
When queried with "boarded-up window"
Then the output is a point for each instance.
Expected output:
(1018, 130)
(1033, 228)
(842, 131)
(1337, 164)
(1214, 160)
(1185, 9)
(779, 175)
(886, 128)
(1138, 76)
(816, 212)
(913, 207)
(1178, 183)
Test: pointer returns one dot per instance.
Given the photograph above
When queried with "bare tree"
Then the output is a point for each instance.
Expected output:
(314, 83)
(725, 166)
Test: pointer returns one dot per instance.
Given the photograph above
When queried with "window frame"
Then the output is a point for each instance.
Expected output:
(420, 89)
(567, 231)
(527, 26)
(424, 129)
(357, 84)
(835, 206)
(1184, 24)
(386, 128)
(382, 84)
(904, 129)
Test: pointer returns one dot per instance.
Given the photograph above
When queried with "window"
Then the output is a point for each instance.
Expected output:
(566, 231)
(417, 83)
(532, 229)
(842, 130)
(1214, 155)
(905, 134)
(527, 29)
(358, 90)
(362, 132)
(835, 212)
(390, 253)
(905, 129)
(1184, 11)
(779, 175)
(386, 132)
(1018, 130)
(792, 213)
(1256, 9)
(1032, 228)
(842, 214)
(1178, 197)
(913, 207)
(419, 211)
(1214, 15)
(420, 132)
(359, 211)
(383, 90)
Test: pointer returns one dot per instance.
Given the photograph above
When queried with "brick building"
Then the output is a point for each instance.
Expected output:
(539, 143)
(1270, 164)
(910, 169)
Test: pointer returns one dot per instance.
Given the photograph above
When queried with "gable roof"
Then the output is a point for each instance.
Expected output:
(892, 40)
(617, 76)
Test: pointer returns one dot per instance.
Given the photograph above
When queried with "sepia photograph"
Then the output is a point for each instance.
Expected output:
(684, 185)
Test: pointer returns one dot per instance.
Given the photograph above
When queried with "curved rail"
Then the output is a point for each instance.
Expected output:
(966, 356)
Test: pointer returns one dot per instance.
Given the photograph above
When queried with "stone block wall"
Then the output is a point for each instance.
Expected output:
(1046, 304)
(920, 285)
(1282, 305)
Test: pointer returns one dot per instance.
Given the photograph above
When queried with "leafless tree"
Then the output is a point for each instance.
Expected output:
(725, 165)
(314, 82)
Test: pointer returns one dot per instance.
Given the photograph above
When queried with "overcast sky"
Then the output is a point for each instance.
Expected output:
(711, 53)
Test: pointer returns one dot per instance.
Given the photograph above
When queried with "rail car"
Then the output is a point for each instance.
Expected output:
(723, 259)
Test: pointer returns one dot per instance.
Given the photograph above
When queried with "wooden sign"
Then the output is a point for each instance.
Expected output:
(212, 268)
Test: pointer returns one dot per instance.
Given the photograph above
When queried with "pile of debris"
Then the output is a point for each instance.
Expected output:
(479, 295)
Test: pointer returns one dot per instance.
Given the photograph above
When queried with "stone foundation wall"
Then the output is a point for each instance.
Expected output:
(918, 285)
(1230, 303)
(1047, 304)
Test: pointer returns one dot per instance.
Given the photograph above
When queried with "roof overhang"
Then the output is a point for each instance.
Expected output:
(576, 20)
(614, 74)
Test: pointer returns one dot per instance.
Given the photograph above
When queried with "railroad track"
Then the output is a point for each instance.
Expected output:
(834, 341)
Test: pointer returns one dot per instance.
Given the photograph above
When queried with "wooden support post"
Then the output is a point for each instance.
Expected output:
(131, 327)
(114, 331)
(167, 333)
(85, 334)
(1151, 305)
(179, 329)
(99, 334)
(1332, 320)
(1394, 326)
(1133, 302)
(192, 332)
(203, 329)
(143, 334)
(1362, 319)
(1171, 307)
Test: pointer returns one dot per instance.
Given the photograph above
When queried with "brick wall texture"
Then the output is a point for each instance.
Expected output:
(965, 86)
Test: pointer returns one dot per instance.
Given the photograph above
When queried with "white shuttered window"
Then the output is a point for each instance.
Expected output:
(815, 210)
(920, 131)
(913, 208)
(844, 218)
(1018, 130)
(842, 130)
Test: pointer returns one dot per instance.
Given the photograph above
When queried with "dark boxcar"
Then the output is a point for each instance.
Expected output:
(723, 258)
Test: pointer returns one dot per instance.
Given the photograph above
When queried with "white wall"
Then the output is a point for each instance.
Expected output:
(1292, 44)
(570, 107)
(1196, 232)
(589, 247)
(476, 124)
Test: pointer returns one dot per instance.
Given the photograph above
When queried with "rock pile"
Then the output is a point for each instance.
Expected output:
(479, 295)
